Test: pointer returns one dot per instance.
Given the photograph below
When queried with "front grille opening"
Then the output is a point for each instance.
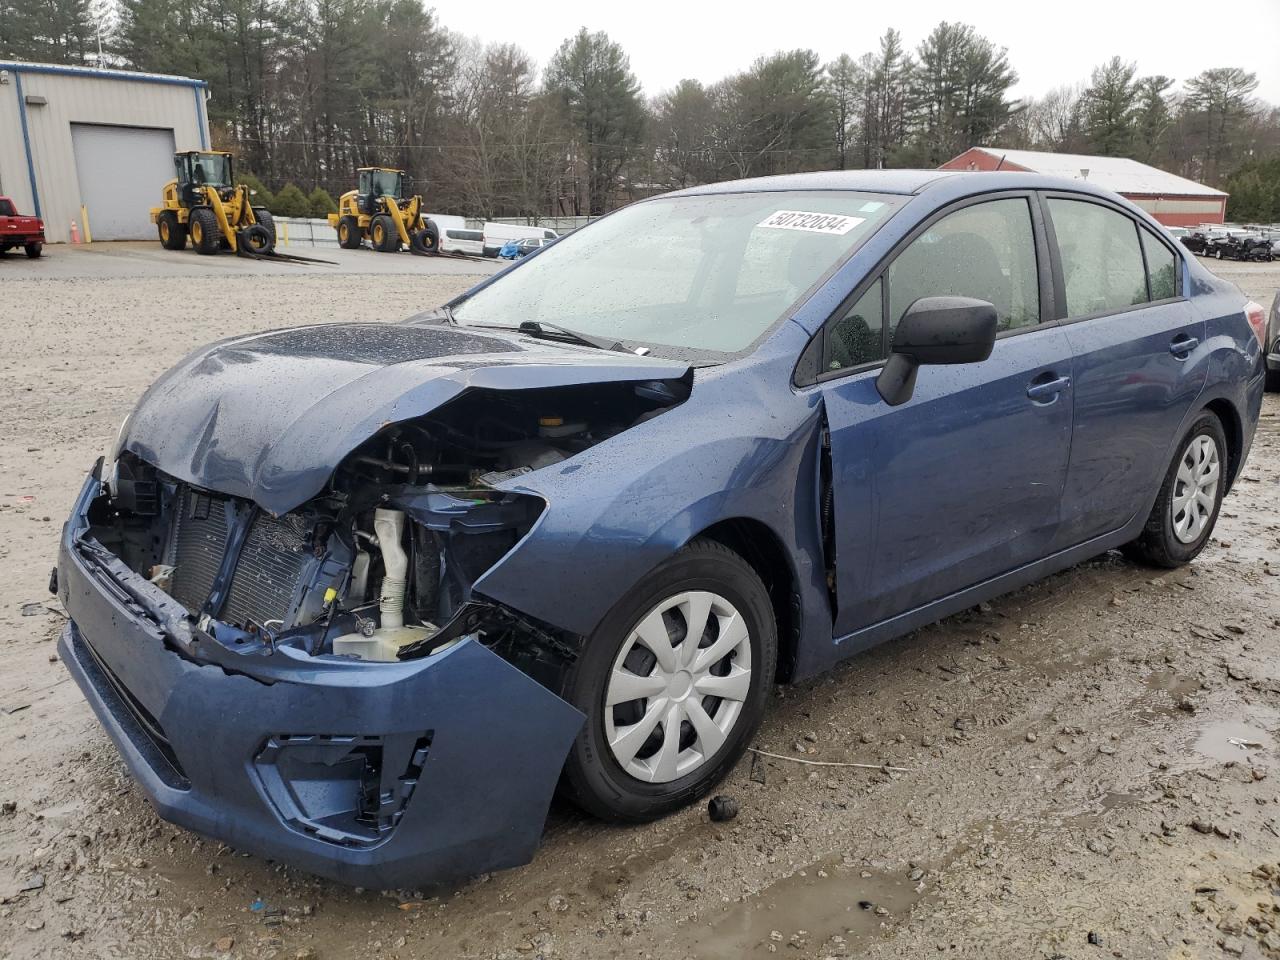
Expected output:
(143, 730)
(273, 567)
(347, 790)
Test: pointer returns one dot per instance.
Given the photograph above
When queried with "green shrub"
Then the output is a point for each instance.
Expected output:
(322, 204)
(261, 196)
(291, 202)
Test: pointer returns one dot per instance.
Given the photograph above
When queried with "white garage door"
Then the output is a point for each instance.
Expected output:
(121, 172)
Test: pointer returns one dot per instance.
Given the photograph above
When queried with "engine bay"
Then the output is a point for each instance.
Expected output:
(380, 565)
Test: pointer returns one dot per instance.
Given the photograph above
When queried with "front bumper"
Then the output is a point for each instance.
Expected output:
(373, 774)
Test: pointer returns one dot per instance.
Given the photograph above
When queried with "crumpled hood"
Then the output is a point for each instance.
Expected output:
(269, 417)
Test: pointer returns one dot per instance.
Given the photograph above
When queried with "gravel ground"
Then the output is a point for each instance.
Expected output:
(1091, 763)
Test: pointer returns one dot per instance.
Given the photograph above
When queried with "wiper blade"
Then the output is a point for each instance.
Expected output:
(549, 331)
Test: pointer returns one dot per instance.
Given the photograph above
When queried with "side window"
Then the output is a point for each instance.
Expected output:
(1162, 269)
(858, 336)
(1101, 260)
(986, 251)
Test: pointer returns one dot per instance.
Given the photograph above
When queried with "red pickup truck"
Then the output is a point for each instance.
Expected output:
(16, 231)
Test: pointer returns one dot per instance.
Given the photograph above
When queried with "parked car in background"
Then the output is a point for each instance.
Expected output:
(456, 236)
(19, 231)
(515, 249)
(575, 525)
(496, 235)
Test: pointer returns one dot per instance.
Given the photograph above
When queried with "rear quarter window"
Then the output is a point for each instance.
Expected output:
(1162, 267)
(6, 209)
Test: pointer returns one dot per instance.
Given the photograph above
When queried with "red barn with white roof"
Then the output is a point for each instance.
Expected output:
(1174, 201)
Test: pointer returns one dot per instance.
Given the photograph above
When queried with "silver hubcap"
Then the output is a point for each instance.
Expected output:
(677, 686)
(1195, 489)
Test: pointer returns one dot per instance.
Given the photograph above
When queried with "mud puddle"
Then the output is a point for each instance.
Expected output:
(1234, 741)
(825, 908)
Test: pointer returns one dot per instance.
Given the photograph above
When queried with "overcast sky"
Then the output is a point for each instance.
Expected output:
(1049, 44)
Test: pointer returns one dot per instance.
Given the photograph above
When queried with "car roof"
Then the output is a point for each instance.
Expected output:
(904, 182)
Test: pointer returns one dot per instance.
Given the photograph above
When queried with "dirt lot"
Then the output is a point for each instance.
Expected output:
(1091, 763)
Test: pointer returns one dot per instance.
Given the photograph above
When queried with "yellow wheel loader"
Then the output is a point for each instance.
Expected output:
(204, 203)
(378, 210)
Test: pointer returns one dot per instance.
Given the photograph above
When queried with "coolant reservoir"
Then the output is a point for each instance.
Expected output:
(383, 644)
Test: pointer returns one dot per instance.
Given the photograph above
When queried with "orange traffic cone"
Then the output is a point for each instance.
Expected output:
(75, 233)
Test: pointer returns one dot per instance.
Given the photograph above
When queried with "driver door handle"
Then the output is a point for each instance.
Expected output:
(1182, 345)
(1047, 389)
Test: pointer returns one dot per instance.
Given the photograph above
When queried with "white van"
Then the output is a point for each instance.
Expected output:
(454, 235)
(497, 234)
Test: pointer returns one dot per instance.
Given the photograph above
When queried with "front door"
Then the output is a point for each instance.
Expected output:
(962, 482)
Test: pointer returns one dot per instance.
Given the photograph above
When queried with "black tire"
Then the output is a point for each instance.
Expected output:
(268, 222)
(382, 234)
(349, 233)
(34, 250)
(427, 240)
(173, 235)
(593, 777)
(1273, 381)
(206, 235)
(1158, 545)
(256, 238)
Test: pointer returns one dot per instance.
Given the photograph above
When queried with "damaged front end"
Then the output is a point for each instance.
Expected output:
(375, 719)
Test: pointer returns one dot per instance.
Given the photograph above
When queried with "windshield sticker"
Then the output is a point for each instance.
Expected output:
(833, 223)
(871, 206)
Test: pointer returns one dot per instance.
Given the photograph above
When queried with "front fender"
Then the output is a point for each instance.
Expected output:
(742, 446)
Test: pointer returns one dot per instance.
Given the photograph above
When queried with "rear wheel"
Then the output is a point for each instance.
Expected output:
(1186, 509)
(382, 234)
(205, 235)
(349, 233)
(673, 683)
(34, 250)
(173, 235)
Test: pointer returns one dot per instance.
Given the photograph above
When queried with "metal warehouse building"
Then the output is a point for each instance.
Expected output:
(94, 146)
(1174, 201)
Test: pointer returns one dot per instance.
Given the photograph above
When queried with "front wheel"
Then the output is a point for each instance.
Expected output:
(1190, 497)
(382, 234)
(673, 683)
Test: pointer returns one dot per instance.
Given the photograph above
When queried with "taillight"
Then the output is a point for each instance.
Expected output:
(1257, 318)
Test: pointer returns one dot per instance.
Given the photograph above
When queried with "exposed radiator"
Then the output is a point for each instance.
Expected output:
(273, 562)
(199, 542)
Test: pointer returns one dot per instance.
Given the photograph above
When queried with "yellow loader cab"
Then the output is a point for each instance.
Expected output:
(204, 203)
(377, 209)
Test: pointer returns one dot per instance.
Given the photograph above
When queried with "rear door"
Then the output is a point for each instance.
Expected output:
(962, 482)
(1138, 346)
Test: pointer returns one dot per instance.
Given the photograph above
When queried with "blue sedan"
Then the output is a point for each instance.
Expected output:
(570, 529)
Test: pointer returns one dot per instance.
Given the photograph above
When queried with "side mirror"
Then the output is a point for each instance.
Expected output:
(936, 330)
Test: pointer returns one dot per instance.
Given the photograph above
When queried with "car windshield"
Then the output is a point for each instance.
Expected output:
(212, 169)
(6, 208)
(698, 277)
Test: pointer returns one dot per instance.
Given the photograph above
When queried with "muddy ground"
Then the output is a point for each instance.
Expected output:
(1091, 763)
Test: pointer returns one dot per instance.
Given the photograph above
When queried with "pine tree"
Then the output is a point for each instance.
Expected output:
(591, 77)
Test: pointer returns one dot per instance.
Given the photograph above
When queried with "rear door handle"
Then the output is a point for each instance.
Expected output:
(1183, 345)
(1047, 389)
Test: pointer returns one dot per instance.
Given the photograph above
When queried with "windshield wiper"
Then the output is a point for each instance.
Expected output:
(549, 331)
